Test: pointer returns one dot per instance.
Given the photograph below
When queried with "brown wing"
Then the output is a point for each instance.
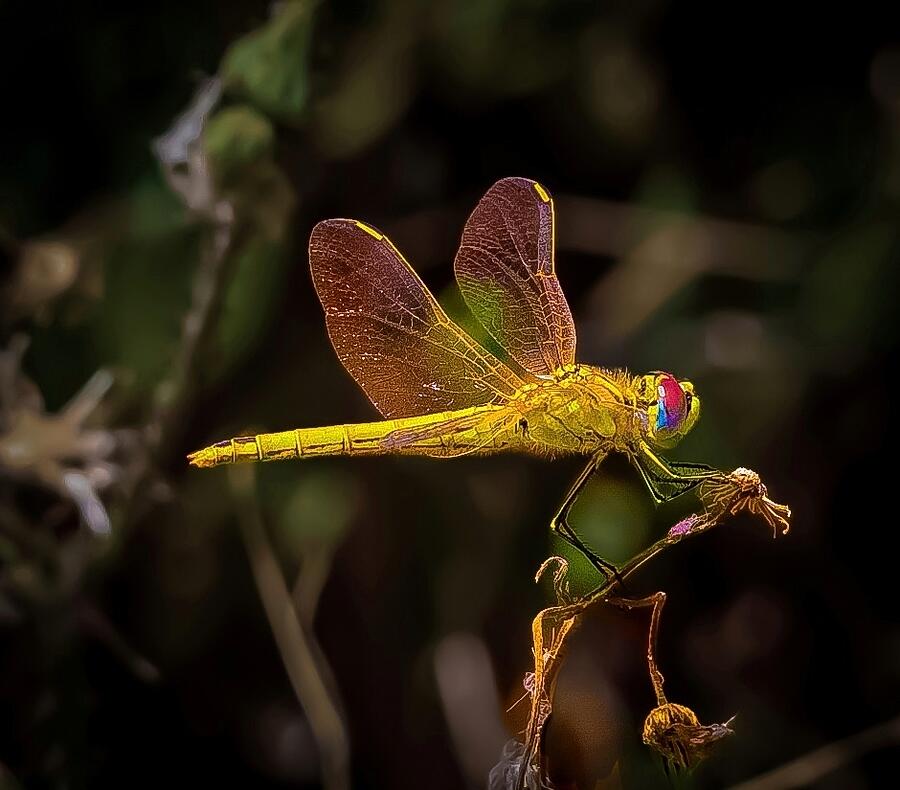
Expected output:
(390, 332)
(505, 270)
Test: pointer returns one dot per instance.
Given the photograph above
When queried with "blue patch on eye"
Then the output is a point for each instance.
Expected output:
(662, 419)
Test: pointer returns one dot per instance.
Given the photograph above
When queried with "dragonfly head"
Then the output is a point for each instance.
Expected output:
(672, 407)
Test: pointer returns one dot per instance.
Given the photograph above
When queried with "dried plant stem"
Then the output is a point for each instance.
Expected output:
(303, 659)
(562, 620)
(96, 623)
(722, 495)
(210, 280)
(657, 600)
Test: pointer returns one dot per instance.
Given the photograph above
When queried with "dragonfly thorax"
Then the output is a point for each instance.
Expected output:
(578, 409)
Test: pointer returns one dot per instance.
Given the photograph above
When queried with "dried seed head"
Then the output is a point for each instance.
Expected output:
(675, 732)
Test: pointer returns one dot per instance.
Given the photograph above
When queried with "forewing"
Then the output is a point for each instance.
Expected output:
(506, 272)
(390, 332)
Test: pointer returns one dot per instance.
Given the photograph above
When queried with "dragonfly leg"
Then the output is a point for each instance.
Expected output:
(667, 480)
(560, 522)
(657, 601)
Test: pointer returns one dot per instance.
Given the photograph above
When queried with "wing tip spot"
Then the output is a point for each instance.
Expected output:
(371, 231)
(544, 195)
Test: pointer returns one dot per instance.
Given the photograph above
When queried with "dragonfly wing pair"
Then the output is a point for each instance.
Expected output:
(398, 343)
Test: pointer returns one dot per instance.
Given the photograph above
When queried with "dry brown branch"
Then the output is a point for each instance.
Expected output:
(721, 496)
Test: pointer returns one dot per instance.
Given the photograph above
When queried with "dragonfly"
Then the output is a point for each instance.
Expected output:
(442, 394)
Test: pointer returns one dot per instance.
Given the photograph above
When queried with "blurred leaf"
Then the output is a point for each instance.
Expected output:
(506, 47)
(45, 269)
(320, 507)
(268, 67)
(783, 190)
(153, 208)
(239, 142)
(235, 139)
(612, 517)
(620, 89)
(374, 87)
(263, 200)
(258, 271)
(147, 277)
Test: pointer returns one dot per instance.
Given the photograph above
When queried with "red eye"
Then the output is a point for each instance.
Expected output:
(675, 402)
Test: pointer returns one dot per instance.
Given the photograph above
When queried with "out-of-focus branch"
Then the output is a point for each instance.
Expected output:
(468, 690)
(96, 623)
(615, 229)
(303, 659)
(659, 252)
(187, 170)
(805, 770)
(7, 781)
(310, 581)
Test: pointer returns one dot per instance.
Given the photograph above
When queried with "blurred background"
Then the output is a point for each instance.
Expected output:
(727, 182)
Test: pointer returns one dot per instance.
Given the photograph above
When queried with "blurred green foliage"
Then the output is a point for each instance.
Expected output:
(316, 508)
(237, 140)
(240, 144)
(269, 66)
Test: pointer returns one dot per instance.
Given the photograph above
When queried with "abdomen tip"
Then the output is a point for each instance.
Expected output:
(203, 458)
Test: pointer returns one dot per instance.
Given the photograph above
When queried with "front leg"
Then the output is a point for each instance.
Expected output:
(667, 480)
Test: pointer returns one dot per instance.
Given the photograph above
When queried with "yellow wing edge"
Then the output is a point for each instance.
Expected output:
(371, 231)
(544, 195)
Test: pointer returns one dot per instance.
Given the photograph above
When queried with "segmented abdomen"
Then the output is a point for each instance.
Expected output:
(478, 429)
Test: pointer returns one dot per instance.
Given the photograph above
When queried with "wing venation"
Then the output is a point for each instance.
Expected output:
(390, 332)
(506, 271)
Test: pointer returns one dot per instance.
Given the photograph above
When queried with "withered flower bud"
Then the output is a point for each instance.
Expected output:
(675, 732)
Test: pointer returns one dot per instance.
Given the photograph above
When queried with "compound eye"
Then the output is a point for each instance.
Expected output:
(673, 403)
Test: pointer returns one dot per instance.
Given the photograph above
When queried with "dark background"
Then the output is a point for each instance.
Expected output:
(727, 180)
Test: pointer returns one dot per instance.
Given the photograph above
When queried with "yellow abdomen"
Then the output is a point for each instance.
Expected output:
(447, 434)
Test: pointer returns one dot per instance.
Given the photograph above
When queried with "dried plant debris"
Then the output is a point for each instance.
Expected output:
(672, 730)
(514, 772)
(184, 161)
(59, 451)
(43, 270)
(743, 490)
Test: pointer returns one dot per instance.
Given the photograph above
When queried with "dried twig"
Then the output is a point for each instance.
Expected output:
(722, 495)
